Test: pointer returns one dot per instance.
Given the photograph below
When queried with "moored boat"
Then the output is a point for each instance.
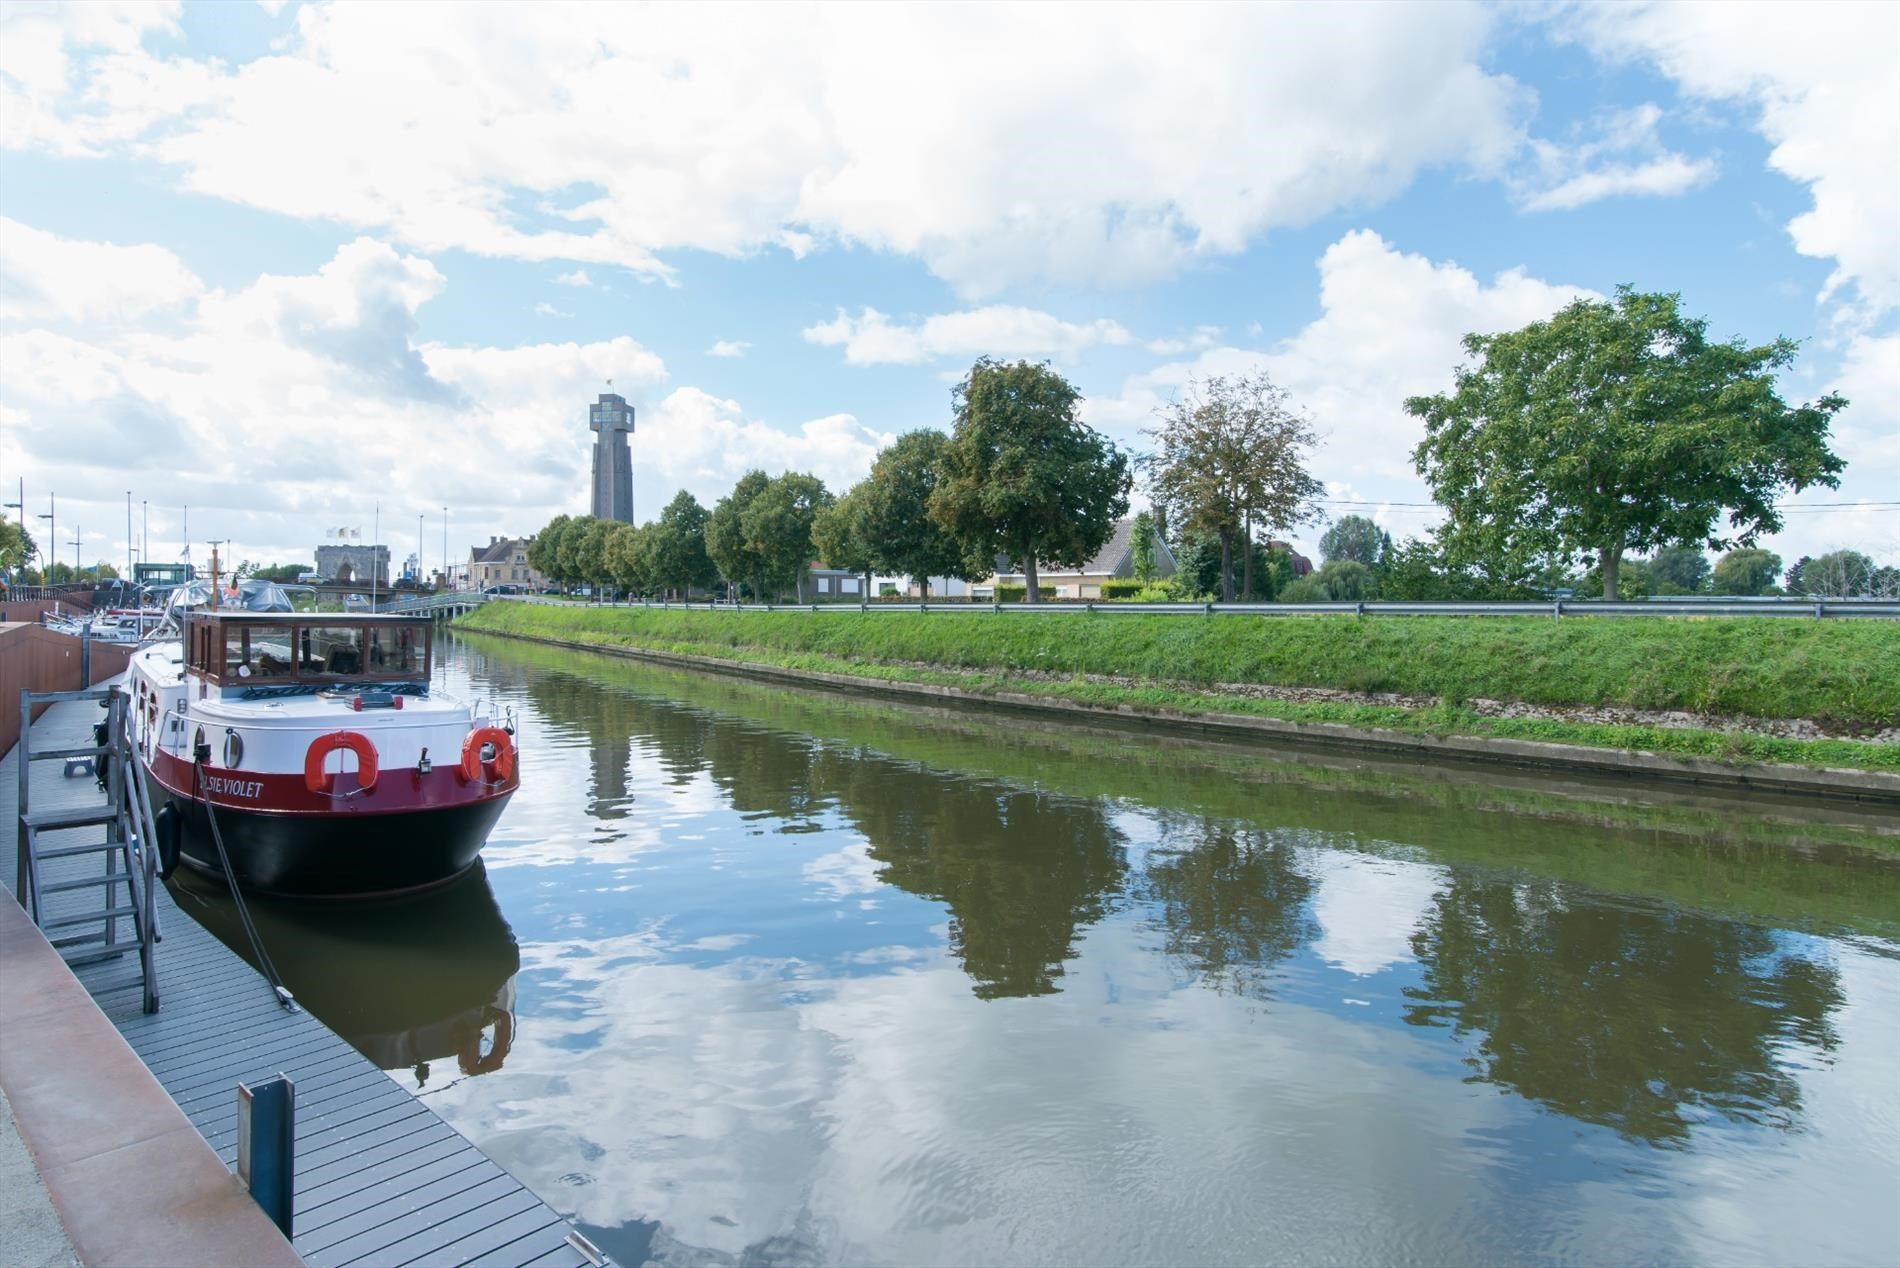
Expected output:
(313, 747)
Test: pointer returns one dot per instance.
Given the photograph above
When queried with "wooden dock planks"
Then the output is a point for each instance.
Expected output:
(381, 1180)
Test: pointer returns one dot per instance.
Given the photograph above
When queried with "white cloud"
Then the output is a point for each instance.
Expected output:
(1825, 85)
(44, 275)
(548, 310)
(702, 443)
(1389, 327)
(577, 277)
(728, 348)
(1624, 157)
(998, 145)
(999, 330)
(299, 399)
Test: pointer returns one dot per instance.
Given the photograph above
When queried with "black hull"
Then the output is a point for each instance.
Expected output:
(328, 856)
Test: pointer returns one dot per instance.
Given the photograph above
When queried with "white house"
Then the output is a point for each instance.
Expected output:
(1114, 562)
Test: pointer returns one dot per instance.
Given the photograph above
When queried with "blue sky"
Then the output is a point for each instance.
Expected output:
(302, 266)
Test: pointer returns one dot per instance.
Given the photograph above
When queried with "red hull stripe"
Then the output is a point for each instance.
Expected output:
(397, 791)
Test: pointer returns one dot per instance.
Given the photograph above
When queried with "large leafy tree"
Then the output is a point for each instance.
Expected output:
(777, 526)
(1613, 427)
(544, 552)
(585, 550)
(16, 545)
(677, 546)
(1024, 475)
(1838, 574)
(1750, 570)
(904, 538)
(1355, 538)
(726, 542)
(629, 555)
(837, 534)
(1685, 568)
(1229, 458)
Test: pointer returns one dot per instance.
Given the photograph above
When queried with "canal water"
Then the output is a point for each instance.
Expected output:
(765, 977)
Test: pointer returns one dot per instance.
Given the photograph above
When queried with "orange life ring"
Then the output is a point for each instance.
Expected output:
(318, 780)
(498, 767)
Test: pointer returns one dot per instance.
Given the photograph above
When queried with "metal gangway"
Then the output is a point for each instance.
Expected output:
(72, 847)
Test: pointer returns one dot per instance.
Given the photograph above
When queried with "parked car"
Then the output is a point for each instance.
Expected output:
(309, 578)
(357, 603)
(502, 590)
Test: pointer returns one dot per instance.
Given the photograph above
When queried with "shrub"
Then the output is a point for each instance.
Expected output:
(1121, 590)
(1016, 594)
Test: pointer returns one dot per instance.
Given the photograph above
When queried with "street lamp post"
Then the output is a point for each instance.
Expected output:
(52, 532)
(445, 548)
(128, 539)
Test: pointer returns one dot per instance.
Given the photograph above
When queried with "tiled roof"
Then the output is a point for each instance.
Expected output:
(497, 552)
(1114, 559)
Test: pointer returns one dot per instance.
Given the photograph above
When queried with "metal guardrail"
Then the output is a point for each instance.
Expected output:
(1813, 609)
(413, 604)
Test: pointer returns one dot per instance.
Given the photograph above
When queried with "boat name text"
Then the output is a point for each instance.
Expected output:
(234, 787)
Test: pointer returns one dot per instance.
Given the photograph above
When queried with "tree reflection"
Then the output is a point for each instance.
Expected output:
(1232, 901)
(1640, 1019)
(1019, 869)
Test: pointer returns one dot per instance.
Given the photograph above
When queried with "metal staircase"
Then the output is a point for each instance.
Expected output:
(52, 877)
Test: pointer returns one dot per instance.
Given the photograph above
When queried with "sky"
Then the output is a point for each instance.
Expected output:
(302, 266)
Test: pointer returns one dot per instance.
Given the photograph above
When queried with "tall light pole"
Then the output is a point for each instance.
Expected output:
(76, 533)
(419, 549)
(145, 545)
(128, 541)
(445, 547)
(52, 532)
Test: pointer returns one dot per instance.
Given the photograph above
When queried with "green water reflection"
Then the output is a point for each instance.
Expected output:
(805, 979)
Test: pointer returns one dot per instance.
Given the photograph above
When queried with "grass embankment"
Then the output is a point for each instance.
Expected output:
(1839, 674)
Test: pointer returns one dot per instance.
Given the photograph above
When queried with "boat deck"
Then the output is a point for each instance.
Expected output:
(381, 1179)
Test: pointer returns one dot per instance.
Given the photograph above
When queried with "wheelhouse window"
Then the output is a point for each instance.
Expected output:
(259, 652)
(308, 652)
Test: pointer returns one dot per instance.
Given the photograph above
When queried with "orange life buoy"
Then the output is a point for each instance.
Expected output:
(318, 780)
(498, 767)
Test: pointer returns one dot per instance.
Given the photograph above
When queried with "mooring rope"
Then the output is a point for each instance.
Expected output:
(264, 963)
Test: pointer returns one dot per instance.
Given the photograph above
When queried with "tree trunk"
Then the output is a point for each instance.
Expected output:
(923, 588)
(868, 596)
(1032, 592)
(1246, 561)
(1226, 565)
(1607, 560)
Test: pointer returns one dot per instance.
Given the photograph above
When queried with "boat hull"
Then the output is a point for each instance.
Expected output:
(336, 856)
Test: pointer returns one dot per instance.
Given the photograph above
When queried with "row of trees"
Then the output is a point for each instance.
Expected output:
(1613, 430)
(1020, 475)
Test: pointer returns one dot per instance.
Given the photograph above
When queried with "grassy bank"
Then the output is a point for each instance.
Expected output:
(1839, 673)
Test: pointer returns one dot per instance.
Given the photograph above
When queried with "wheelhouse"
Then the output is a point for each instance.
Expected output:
(314, 652)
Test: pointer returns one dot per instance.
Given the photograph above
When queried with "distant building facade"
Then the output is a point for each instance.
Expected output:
(611, 420)
(503, 562)
(354, 565)
(1114, 562)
